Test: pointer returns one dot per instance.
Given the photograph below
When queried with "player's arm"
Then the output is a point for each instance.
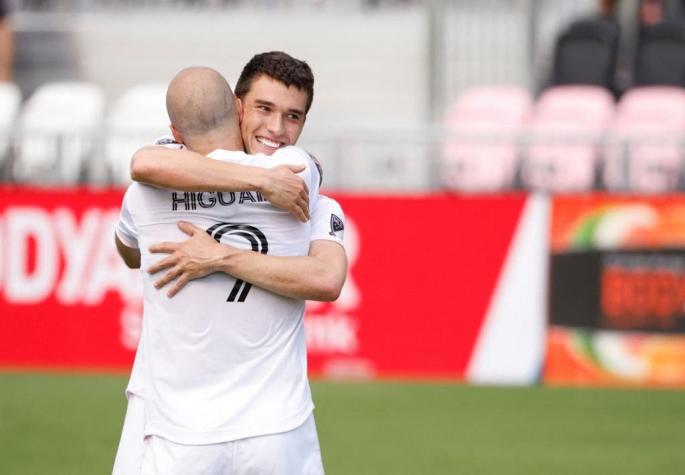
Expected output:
(189, 171)
(6, 49)
(317, 276)
(130, 255)
(126, 234)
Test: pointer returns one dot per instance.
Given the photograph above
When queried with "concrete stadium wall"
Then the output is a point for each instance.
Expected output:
(369, 68)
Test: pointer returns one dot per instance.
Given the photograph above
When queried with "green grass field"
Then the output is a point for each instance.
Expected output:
(57, 424)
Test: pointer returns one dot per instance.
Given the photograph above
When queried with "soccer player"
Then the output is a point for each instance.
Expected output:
(223, 384)
(275, 92)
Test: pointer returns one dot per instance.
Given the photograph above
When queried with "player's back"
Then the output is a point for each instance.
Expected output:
(237, 348)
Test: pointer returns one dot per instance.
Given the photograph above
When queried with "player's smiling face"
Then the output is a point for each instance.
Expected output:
(272, 115)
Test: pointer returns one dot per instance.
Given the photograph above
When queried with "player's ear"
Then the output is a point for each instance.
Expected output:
(239, 107)
(178, 136)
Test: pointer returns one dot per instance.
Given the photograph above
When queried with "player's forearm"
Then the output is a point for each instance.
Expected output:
(6, 51)
(130, 256)
(189, 171)
(301, 277)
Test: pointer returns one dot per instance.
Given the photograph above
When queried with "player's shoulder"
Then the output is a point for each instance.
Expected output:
(234, 156)
(329, 205)
(132, 197)
(132, 189)
(292, 155)
(138, 193)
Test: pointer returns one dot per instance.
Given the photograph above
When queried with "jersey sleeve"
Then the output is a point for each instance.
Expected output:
(126, 229)
(328, 221)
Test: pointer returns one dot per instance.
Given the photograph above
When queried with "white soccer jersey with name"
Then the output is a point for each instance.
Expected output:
(222, 360)
(328, 223)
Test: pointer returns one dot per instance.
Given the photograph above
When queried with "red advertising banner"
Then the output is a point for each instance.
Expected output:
(66, 300)
(617, 291)
(422, 273)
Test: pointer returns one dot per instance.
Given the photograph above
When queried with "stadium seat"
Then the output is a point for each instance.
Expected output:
(481, 150)
(565, 132)
(136, 119)
(660, 55)
(644, 151)
(58, 131)
(586, 53)
(10, 100)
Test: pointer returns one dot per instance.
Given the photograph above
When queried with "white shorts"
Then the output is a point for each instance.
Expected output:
(130, 452)
(294, 452)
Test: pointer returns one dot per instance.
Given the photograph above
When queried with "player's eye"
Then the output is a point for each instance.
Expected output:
(296, 117)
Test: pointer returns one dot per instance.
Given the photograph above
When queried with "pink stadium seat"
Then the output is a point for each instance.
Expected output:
(565, 131)
(481, 152)
(643, 151)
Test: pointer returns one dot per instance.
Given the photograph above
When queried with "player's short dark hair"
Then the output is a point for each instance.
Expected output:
(280, 66)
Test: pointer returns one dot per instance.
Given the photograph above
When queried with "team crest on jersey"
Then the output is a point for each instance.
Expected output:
(337, 226)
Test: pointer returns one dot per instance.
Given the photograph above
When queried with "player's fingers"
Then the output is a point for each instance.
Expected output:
(298, 212)
(187, 227)
(162, 264)
(164, 247)
(303, 200)
(178, 285)
(304, 204)
(168, 277)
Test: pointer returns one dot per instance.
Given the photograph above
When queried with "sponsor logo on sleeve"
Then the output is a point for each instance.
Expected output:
(337, 226)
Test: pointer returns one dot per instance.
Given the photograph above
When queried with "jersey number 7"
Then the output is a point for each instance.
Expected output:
(256, 239)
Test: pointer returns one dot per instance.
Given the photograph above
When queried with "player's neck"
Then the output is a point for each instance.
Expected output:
(207, 143)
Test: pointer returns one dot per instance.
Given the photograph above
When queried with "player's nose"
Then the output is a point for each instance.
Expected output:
(276, 125)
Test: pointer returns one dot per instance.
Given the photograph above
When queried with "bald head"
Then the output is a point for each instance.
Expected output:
(200, 101)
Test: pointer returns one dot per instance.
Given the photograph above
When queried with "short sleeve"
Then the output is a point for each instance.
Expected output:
(126, 229)
(328, 221)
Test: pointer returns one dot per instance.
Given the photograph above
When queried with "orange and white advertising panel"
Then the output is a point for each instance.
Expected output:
(617, 291)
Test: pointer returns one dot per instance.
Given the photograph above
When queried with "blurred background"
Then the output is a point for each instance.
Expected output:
(394, 81)
(512, 173)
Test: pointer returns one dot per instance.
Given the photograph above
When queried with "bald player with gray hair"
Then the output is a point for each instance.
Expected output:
(219, 384)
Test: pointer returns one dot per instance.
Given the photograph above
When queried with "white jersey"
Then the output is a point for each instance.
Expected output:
(223, 360)
(328, 220)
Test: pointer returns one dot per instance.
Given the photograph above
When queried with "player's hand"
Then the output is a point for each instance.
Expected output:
(191, 259)
(287, 191)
